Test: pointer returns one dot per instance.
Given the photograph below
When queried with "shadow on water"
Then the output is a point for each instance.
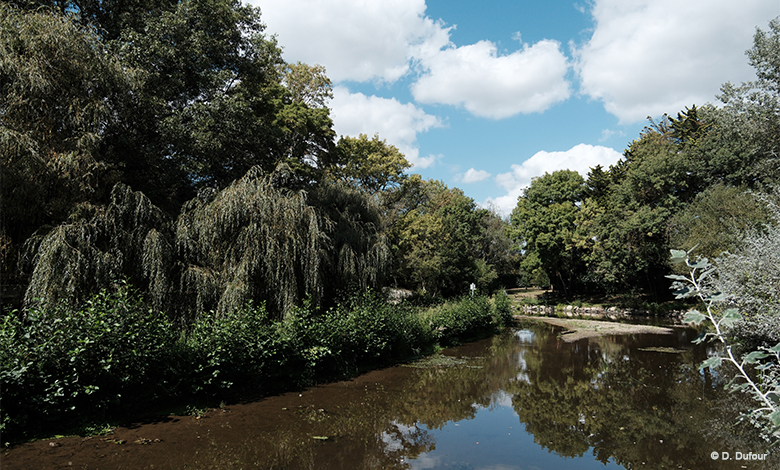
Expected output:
(523, 399)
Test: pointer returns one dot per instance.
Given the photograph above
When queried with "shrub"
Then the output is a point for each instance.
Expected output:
(751, 277)
(458, 320)
(59, 362)
(239, 348)
(367, 330)
(764, 361)
(502, 306)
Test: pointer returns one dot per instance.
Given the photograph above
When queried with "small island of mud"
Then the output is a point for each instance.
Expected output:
(578, 329)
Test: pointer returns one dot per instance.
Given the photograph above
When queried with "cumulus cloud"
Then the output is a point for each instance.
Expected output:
(396, 122)
(580, 158)
(426, 162)
(492, 85)
(473, 176)
(651, 57)
(363, 41)
(355, 40)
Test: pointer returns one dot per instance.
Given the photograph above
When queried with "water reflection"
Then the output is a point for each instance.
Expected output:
(523, 399)
(631, 401)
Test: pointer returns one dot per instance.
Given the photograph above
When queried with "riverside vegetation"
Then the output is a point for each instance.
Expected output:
(168, 144)
(64, 365)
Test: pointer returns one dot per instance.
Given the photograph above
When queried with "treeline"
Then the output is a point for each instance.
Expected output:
(184, 222)
(687, 181)
(168, 144)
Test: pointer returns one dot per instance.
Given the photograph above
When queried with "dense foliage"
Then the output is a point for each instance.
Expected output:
(64, 364)
(441, 242)
(168, 143)
(682, 183)
(752, 315)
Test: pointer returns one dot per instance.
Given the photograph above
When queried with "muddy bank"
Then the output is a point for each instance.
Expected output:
(578, 328)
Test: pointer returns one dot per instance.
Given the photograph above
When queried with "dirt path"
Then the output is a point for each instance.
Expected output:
(578, 329)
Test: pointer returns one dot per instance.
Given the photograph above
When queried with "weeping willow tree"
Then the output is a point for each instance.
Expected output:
(60, 90)
(255, 241)
(130, 238)
(251, 241)
(358, 254)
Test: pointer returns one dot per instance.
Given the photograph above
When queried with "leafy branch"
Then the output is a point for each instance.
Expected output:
(765, 361)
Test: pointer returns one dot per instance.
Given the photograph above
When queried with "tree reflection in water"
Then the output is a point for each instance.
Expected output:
(635, 401)
(628, 398)
(520, 399)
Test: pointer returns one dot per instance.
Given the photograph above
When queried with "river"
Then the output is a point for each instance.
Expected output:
(523, 399)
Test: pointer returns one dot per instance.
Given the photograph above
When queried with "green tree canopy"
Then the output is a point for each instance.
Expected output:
(442, 242)
(716, 221)
(169, 98)
(371, 165)
(60, 89)
(544, 222)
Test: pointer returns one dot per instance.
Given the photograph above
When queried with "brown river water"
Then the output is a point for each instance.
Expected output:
(523, 399)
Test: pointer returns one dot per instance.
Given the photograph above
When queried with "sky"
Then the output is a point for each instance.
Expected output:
(485, 95)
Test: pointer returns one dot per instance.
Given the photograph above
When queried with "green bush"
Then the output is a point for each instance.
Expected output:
(240, 348)
(62, 363)
(366, 330)
(461, 319)
(502, 306)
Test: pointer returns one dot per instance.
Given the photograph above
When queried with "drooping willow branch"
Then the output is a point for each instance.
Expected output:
(248, 242)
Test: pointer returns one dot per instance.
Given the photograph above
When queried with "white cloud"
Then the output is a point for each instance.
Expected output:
(580, 158)
(398, 123)
(651, 57)
(607, 134)
(361, 40)
(473, 176)
(354, 39)
(491, 85)
(425, 162)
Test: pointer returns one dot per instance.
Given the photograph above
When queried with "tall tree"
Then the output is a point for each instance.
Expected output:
(60, 89)
(624, 224)
(748, 124)
(371, 165)
(208, 103)
(544, 223)
(438, 240)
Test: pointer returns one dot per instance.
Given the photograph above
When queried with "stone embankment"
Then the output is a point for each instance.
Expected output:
(611, 313)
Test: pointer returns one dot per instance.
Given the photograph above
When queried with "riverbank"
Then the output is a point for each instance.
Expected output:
(537, 302)
(113, 359)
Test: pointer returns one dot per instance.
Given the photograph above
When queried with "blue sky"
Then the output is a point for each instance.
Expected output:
(485, 95)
